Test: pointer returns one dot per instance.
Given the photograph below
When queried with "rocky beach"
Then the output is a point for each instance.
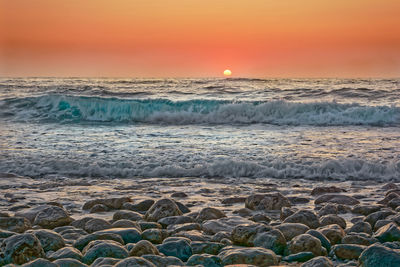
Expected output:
(198, 222)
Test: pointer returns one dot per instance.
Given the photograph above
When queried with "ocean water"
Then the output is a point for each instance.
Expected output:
(129, 128)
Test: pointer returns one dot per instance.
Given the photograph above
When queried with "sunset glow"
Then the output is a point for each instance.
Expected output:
(227, 73)
(287, 38)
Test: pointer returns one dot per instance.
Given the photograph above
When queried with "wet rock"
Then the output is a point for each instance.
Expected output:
(67, 252)
(125, 224)
(233, 200)
(155, 236)
(162, 261)
(394, 203)
(85, 240)
(389, 186)
(31, 213)
(193, 235)
(5, 234)
(388, 233)
(376, 216)
(329, 208)
(361, 227)
(96, 224)
(49, 240)
(51, 217)
(68, 262)
(298, 200)
(325, 190)
(210, 214)
(104, 261)
(332, 219)
(204, 260)
(176, 228)
(305, 242)
(379, 256)
(365, 209)
(81, 222)
(259, 217)
(128, 215)
(320, 261)
(15, 224)
(388, 198)
(134, 261)
(336, 198)
(143, 247)
(161, 209)
(348, 251)
(358, 239)
(183, 208)
(253, 256)
(165, 222)
(273, 240)
(40, 263)
(21, 248)
(104, 249)
(381, 223)
(305, 217)
(221, 235)
(180, 249)
(212, 248)
(272, 201)
(291, 230)
(324, 240)
(179, 195)
(142, 206)
(149, 225)
(224, 224)
(333, 232)
(244, 212)
(286, 212)
(99, 208)
(111, 203)
(299, 257)
(129, 235)
(245, 234)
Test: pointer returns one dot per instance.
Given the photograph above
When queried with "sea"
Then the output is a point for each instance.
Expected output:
(322, 129)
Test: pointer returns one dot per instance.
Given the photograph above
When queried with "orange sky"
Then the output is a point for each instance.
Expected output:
(190, 38)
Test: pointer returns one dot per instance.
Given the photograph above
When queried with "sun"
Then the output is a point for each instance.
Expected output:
(227, 72)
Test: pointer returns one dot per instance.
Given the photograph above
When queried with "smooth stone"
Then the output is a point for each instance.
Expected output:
(389, 197)
(179, 194)
(15, 224)
(245, 234)
(305, 242)
(177, 238)
(149, 225)
(365, 209)
(193, 235)
(85, 240)
(336, 198)
(96, 224)
(155, 236)
(221, 235)
(21, 248)
(324, 240)
(253, 256)
(290, 230)
(358, 239)
(31, 213)
(134, 261)
(111, 203)
(204, 260)
(99, 208)
(306, 217)
(180, 249)
(329, 208)
(286, 212)
(50, 240)
(243, 212)
(233, 200)
(142, 206)
(69, 263)
(128, 215)
(224, 224)
(143, 247)
(104, 249)
(333, 232)
(67, 252)
(361, 227)
(259, 217)
(388, 233)
(299, 257)
(209, 214)
(212, 248)
(52, 217)
(161, 209)
(176, 228)
(273, 240)
(298, 200)
(81, 222)
(5, 234)
(123, 223)
(129, 235)
(381, 223)
(40, 263)
(394, 203)
(272, 201)
(165, 222)
(379, 256)
(162, 261)
(333, 219)
(376, 216)
(320, 261)
(348, 251)
(105, 261)
(320, 190)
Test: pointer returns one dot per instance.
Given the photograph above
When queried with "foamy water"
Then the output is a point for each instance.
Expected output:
(289, 129)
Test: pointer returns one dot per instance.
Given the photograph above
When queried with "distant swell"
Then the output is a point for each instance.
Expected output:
(76, 109)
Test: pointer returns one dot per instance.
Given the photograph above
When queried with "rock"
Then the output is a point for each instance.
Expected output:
(259, 217)
(5, 234)
(85, 240)
(15, 224)
(365, 209)
(149, 225)
(69, 263)
(161, 261)
(243, 212)
(324, 241)
(67, 252)
(49, 240)
(332, 219)
(51, 217)
(104, 249)
(96, 224)
(212, 248)
(142, 206)
(298, 200)
(204, 260)
(348, 251)
(245, 234)
(381, 223)
(129, 235)
(221, 235)
(379, 256)
(134, 261)
(329, 208)
(182, 207)
(179, 195)
(333, 232)
(161, 209)
(176, 228)
(177, 238)
(388, 233)
(143, 247)
(99, 208)
(210, 214)
(40, 263)
(21, 248)
(325, 190)
(299, 257)
(358, 239)
(291, 230)
(376, 216)
(336, 198)
(111, 203)
(361, 227)
(286, 212)
(180, 249)
(389, 186)
(394, 203)
(31, 213)
(104, 261)
(306, 217)
(320, 261)
(155, 236)
(193, 235)
(224, 224)
(305, 242)
(125, 224)
(388, 198)
(253, 256)
(128, 215)
(272, 201)
(81, 222)
(165, 222)
(273, 240)
(233, 200)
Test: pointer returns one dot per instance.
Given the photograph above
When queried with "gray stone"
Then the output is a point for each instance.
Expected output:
(333, 232)
(142, 206)
(125, 224)
(162, 261)
(273, 240)
(324, 241)
(105, 261)
(83, 241)
(149, 225)
(40, 263)
(67, 252)
(129, 235)
(68, 262)
(358, 239)
(128, 215)
(272, 201)
(365, 209)
(193, 235)
(51, 217)
(21, 248)
(143, 247)
(15, 224)
(306, 217)
(291, 230)
(376, 216)
(348, 251)
(134, 261)
(321, 190)
(381, 223)
(176, 228)
(104, 249)
(336, 198)
(212, 248)
(388, 233)
(299, 257)
(361, 227)
(320, 261)
(155, 236)
(224, 224)
(305, 242)
(245, 234)
(161, 209)
(111, 203)
(209, 214)
(99, 208)
(180, 249)
(204, 260)
(253, 256)
(96, 224)
(50, 240)
(379, 256)
(329, 208)
(165, 222)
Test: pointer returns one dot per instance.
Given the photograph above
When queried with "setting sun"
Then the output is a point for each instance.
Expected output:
(227, 72)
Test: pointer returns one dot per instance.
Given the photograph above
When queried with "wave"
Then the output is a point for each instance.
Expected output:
(76, 109)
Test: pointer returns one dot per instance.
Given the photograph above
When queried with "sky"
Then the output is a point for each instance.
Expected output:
(200, 38)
